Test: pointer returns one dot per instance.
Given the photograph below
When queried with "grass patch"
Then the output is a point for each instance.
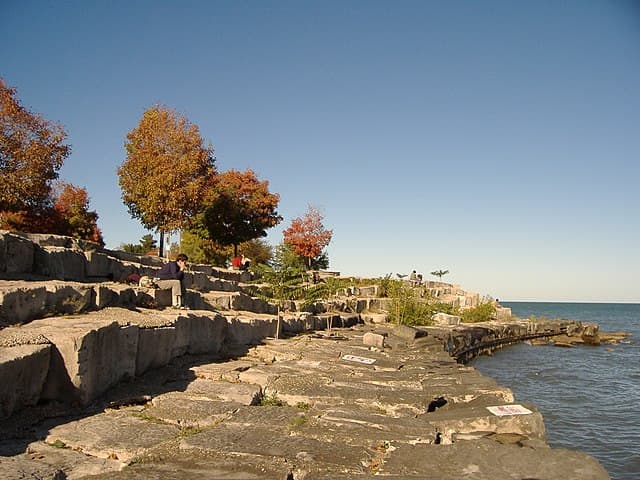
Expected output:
(188, 431)
(298, 421)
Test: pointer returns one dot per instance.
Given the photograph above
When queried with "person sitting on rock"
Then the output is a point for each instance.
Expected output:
(170, 276)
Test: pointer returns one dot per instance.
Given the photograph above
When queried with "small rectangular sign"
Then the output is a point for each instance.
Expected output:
(502, 410)
(355, 358)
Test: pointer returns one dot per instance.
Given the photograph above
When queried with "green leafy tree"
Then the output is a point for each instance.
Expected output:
(258, 250)
(166, 172)
(146, 245)
(283, 280)
(239, 208)
(203, 250)
(440, 273)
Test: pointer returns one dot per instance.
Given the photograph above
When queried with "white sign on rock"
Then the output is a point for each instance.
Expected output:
(502, 410)
(355, 358)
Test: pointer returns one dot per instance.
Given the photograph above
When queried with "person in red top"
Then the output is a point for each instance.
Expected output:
(170, 276)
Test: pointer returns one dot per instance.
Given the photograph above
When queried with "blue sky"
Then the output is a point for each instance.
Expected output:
(496, 139)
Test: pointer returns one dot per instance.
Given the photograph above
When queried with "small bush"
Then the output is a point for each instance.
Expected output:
(271, 401)
(482, 313)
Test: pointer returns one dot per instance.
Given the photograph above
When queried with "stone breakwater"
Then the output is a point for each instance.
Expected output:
(350, 403)
(93, 384)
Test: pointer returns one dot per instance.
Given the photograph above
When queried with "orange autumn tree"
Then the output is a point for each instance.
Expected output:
(307, 236)
(166, 172)
(32, 150)
(239, 208)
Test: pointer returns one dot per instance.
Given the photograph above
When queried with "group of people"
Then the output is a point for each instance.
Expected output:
(415, 279)
(240, 263)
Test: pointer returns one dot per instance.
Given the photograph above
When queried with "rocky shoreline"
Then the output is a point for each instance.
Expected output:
(317, 406)
(95, 385)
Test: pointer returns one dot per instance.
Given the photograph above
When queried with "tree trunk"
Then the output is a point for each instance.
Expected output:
(161, 244)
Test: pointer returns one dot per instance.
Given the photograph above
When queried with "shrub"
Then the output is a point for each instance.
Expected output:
(482, 313)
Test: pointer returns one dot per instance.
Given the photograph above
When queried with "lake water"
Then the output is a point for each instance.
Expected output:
(589, 396)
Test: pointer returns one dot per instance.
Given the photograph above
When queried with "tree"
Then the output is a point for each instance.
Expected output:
(166, 171)
(239, 208)
(307, 235)
(72, 215)
(146, 245)
(440, 273)
(31, 153)
(283, 278)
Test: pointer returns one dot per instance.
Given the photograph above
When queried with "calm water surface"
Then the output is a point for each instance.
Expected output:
(589, 396)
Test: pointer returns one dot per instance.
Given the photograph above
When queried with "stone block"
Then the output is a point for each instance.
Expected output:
(200, 333)
(60, 263)
(444, 319)
(66, 299)
(242, 393)
(94, 435)
(23, 369)
(152, 261)
(17, 254)
(206, 269)
(106, 297)
(373, 340)
(97, 264)
(197, 281)
(156, 348)
(370, 291)
(375, 317)
(50, 240)
(249, 331)
(408, 333)
(21, 304)
(91, 354)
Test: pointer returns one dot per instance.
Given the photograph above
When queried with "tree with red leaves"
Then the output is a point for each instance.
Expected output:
(307, 236)
(74, 219)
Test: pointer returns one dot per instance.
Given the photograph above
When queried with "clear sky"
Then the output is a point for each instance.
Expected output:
(499, 140)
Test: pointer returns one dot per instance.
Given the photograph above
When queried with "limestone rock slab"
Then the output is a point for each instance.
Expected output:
(242, 393)
(43, 461)
(189, 410)
(116, 434)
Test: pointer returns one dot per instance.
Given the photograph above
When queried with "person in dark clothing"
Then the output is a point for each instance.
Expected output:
(170, 276)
